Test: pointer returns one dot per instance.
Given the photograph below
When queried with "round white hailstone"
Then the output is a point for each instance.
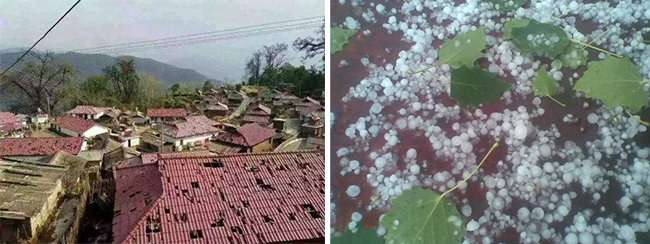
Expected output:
(380, 162)
(643, 153)
(472, 225)
(354, 164)
(537, 101)
(571, 238)
(506, 126)
(466, 210)
(353, 190)
(627, 233)
(356, 217)
(456, 140)
(352, 225)
(415, 169)
(567, 177)
(523, 214)
(417, 106)
(519, 60)
(381, 231)
(521, 131)
(636, 190)
(545, 150)
(626, 202)
(557, 75)
(586, 238)
(548, 167)
(380, 8)
(536, 171)
(562, 210)
(466, 147)
(592, 118)
(418, 48)
(498, 203)
(411, 153)
(376, 108)
(393, 178)
(386, 82)
(538, 213)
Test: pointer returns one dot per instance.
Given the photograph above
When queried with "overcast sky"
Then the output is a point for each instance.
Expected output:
(97, 23)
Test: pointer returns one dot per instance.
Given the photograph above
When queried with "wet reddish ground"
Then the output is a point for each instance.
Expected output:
(374, 47)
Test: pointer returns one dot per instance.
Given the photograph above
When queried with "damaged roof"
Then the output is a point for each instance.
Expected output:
(166, 112)
(237, 198)
(36, 146)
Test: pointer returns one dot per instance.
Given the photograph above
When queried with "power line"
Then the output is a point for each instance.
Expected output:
(205, 39)
(202, 33)
(43, 37)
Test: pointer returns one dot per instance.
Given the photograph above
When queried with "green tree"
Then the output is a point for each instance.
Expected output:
(175, 88)
(124, 78)
(207, 85)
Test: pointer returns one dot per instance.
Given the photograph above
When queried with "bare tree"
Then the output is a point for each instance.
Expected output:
(42, 79)
(275, 55)
(312, 46)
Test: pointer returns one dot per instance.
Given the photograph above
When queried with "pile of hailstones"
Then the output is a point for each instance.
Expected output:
(544, 178)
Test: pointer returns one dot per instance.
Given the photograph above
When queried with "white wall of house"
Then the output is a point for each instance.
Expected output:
(135, 141)
(40, 120)
(94, 131)
(178, 143)
(84, 146)
(90, 133)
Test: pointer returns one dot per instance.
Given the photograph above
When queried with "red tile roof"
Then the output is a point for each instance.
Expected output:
(202, 119)
(248, 135)
(260, 119)
(80, 109)
(218, 107)
(259, 110)
(310, 100)
(166, 112)
(8, 118)
(246, 198)
(186, 129)
(40, 146)
(75, 124)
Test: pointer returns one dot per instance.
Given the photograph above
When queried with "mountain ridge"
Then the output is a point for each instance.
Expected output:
(93, 64)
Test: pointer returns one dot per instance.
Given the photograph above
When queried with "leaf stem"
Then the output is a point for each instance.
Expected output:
(599, 36)
(440, 79)
(637, 119)
(597, 48)
(496, 144)
(425, 69)
(555, 100)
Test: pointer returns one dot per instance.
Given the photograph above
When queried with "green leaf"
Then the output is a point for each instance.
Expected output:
(544, 85)
(362, 236)
(473, 86)
(574, 57)
(514, 23)
(540, 37)
(423, 216)
(615, 81)
(464, 49)
(338, 38)
(507, 5)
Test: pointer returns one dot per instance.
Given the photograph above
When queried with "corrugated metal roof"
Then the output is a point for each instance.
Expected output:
(36, 146)
(246, 198)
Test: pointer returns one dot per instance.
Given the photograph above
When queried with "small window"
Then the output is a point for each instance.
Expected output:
(196, 234)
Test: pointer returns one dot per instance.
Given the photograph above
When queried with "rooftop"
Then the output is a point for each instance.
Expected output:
(259, 109)
(166, 112)
(81, 109)
(75, 124)
(8, 118)
(186, 129)
(40, 146)
(26, 186)
(241, 198)
(248, 135)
